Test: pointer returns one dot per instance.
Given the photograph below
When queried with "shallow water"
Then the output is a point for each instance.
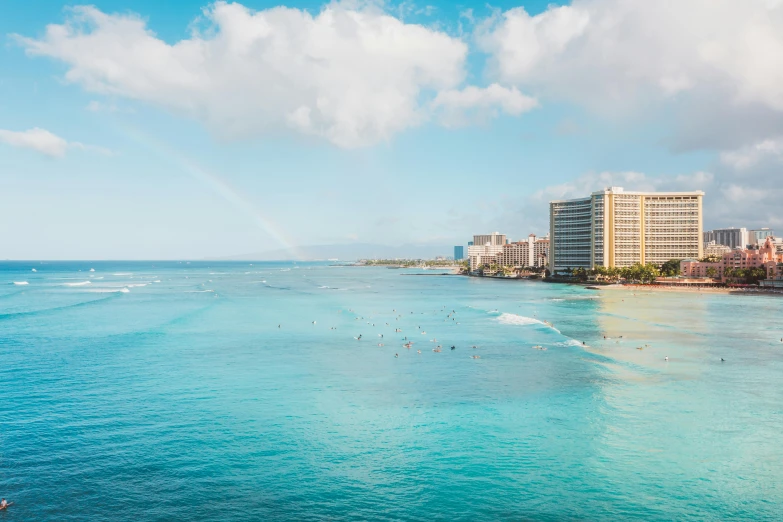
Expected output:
(164, 391)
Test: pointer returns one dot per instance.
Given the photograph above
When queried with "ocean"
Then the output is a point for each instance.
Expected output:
(241, 391)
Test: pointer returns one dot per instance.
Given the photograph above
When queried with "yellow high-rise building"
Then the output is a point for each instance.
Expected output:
(614, 228)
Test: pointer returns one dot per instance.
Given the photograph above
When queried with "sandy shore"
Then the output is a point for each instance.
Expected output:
(701, 290)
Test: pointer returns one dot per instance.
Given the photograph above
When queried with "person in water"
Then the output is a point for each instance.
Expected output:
(3, 504)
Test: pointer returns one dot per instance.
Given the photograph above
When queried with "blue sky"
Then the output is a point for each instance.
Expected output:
(184, 130)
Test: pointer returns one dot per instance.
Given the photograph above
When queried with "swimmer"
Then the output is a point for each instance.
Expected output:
(380, 344)
(396, 355)
(722, 359)
(475, 357)
(418, 351)
(453, 347)
(666, 358)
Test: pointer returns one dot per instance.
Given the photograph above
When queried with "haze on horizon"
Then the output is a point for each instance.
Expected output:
(148, 131)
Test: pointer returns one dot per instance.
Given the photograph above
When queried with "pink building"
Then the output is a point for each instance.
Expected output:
(765, 257)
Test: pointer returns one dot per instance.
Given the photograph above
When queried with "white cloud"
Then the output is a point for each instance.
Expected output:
(44, 142)
(353, 75)
(717, 62)
(459, 106)
(746, 157)
(40, 140)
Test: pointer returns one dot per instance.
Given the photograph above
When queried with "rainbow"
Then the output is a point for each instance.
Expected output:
(218, 185)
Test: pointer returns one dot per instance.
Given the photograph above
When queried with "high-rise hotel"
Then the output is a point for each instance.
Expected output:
(614, 228)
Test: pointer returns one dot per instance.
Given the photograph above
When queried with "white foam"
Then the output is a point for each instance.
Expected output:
(92, 270)
(83, 283)
(123, 273)
(107, 290)
(21, 283)
(519, 320)
(156, 281)
(137, 284)
(34, 270)
(571, 342)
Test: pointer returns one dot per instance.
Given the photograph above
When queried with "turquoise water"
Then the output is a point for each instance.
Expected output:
(162, 391)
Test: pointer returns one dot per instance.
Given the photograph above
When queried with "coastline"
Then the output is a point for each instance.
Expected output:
(652, 288)
(706, 289)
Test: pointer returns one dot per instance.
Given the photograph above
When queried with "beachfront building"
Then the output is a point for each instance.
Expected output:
(614, 228)
(766, 257)
(532, 252)
(480, 255)
(459, 253)
(714, 249)
(485, 248)
(730, 237)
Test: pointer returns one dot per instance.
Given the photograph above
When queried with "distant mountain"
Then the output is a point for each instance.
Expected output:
(347, 252)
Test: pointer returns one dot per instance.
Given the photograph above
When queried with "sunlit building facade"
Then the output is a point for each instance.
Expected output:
(614, 228)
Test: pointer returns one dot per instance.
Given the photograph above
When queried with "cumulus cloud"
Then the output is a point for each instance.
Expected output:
(45, 142)
(748, 156)
(717, 62)
(39, 140)
(353, 75)
(461, 106)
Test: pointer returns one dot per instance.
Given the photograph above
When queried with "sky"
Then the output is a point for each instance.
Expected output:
(185, 130)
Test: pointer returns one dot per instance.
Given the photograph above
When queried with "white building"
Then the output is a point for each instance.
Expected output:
(480, 255)
(714, 249)
(731, 237)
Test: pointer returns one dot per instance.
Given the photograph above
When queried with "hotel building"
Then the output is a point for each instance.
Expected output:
(494, 239)
(531, 252)
(614, 228)
(730, 237)
(766, 257)
(485, 248)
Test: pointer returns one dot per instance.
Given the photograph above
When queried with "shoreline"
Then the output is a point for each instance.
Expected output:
(707, 289)
(652, 288)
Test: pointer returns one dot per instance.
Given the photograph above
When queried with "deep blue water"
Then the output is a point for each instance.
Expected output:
(167, 391)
